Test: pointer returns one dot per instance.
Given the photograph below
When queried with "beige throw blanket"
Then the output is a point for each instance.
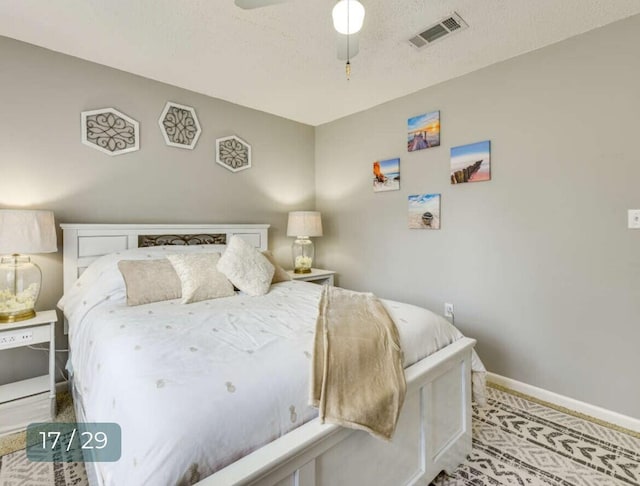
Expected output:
(357, 378)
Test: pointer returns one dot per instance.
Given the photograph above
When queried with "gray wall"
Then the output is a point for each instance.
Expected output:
(44, 165)
(538, 262)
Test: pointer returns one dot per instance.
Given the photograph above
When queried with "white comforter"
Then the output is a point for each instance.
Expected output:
(195, 387)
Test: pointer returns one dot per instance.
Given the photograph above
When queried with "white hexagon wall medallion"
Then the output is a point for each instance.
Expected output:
(110, 131)
(233, 153)
(179, 125)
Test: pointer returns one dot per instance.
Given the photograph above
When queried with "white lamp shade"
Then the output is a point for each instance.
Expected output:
(304, 223)
(348, 16)
(27, 231)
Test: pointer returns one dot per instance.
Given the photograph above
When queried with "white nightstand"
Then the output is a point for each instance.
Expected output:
(32, 400)
(322, 277)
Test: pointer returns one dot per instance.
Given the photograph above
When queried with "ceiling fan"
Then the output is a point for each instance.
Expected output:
(348, 16)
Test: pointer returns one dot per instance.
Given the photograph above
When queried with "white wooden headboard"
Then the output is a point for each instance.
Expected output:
(83, 243)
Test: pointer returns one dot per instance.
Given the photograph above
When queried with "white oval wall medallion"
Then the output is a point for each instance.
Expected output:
(233, 153)
(179, 125)
(110, 131)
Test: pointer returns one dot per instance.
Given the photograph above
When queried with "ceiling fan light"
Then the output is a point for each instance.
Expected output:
(348, 16)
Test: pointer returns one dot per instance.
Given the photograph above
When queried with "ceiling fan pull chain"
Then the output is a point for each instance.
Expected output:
(348, 65)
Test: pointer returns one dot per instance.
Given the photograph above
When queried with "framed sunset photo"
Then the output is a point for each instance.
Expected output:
(424, 131)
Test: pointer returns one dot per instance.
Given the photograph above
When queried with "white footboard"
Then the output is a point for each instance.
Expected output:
(433, 434)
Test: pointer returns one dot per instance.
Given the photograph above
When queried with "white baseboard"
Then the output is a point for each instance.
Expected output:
(566, 402)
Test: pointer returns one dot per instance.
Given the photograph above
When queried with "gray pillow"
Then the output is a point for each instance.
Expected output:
(149, 281)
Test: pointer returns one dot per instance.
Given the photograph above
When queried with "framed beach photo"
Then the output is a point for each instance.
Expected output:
(386, 175)
(471, 163)
(424, 211)
(423, 131)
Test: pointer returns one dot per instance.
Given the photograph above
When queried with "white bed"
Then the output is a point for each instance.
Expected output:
(186, 381)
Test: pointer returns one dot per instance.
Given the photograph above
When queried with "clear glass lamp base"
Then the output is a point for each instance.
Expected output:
(303, 252)
(20, 282)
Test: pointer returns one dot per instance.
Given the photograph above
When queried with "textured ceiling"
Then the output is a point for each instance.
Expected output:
(282, 59)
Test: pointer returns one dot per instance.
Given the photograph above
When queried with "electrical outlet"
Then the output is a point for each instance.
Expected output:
(12, 339)
(448, 310)
(634, 218)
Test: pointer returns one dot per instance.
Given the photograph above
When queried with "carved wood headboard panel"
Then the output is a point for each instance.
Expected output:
(162, 240)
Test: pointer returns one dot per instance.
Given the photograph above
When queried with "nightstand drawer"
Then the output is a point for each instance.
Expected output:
(16, 415)
(24, 336)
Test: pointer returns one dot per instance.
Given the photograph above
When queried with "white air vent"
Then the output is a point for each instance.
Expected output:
(446, 26)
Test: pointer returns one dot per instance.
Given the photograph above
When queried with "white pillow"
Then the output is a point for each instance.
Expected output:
(199, 277)
(246, 267)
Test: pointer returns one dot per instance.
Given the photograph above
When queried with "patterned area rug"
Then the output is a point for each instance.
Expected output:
(17, 470)
(516, 441)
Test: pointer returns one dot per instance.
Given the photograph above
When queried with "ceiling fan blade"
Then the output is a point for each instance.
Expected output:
(251, 4)
(354, 46)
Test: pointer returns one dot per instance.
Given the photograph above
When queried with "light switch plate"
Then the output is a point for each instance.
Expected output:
(634, 218)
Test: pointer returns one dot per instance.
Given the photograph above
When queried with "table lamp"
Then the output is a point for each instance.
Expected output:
(22, 231)
(303, 225)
